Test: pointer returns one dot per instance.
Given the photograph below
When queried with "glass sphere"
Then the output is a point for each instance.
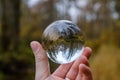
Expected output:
(63, 41)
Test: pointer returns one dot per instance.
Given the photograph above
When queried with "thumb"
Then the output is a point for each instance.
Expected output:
(41, 61)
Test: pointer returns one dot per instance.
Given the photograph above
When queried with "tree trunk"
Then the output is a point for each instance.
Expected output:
(10, 24)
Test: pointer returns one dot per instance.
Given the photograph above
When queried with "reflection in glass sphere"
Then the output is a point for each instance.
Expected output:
(63, 41)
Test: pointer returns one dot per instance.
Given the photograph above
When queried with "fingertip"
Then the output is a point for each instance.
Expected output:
(87, 52)
(89, 49)
(34, 45)
(85, 70)
(82, 67)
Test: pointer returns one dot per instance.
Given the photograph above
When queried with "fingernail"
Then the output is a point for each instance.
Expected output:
(34, 45)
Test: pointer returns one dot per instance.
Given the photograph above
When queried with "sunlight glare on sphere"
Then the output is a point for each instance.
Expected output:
(63, 41)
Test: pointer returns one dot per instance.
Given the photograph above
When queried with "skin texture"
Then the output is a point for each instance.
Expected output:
(77, 70)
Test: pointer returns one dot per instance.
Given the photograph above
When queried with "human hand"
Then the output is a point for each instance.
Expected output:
(77, 70)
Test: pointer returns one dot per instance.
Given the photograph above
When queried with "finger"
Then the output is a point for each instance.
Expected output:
(62, 70)
(84, 73)
(87, 52)
(83, 59)
(75, 67)
(41, 60)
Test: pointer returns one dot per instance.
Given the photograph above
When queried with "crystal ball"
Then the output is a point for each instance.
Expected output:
(63, 41)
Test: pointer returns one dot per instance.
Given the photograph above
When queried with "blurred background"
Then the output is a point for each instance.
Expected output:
(22, 21)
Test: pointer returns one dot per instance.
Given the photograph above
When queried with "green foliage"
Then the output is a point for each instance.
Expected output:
(17, 65)
(117, 6)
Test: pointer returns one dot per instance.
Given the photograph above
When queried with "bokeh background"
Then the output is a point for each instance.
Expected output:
(22, 21)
